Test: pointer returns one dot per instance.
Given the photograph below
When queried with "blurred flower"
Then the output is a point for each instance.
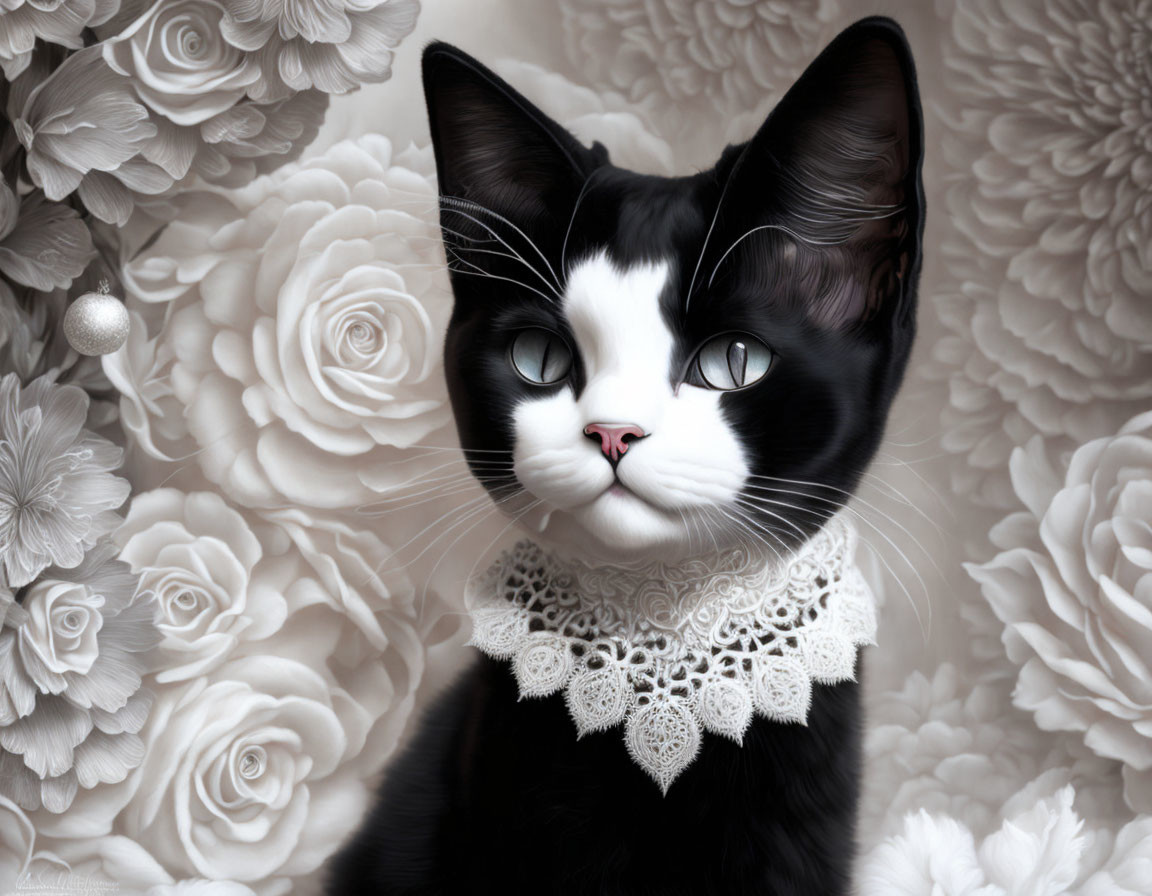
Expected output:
(592, 115)
(70, 675)
(1042, 848)
(330, 45)
(1050, 252)
(57, 492)
(1073, 588)
(687, 61)
(941, 745)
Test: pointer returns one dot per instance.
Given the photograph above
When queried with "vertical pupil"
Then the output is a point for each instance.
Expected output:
(737, 361)
(544, 360)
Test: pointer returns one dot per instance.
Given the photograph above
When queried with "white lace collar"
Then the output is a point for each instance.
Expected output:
(672, 649)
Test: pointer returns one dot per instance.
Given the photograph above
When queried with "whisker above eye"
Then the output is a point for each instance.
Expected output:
(456, 250)
(480, 272)
(452, 201)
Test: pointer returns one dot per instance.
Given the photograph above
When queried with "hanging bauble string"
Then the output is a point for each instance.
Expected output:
(96, 323)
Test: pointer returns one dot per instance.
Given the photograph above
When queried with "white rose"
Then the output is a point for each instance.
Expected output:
(59, 634)
(350, 619)
(209, 576)
(243, 779)
(179, 63)
(1073, 588)
(307, 335)
(351, 613)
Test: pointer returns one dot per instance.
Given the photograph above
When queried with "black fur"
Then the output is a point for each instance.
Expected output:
(808, 236)
(496, 795)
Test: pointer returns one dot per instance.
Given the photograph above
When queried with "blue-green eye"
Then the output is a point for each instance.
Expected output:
(732, 361)
(541, 357)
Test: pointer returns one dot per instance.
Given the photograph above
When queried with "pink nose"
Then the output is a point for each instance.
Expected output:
(614, 437)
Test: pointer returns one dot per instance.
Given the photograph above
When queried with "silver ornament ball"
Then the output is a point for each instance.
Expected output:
(96, 324)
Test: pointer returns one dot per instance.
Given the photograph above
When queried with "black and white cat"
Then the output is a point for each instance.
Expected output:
(633, 361)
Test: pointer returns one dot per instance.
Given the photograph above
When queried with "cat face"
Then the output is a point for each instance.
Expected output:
(644, 366)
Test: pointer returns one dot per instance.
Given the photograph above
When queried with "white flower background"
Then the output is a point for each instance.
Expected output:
(200, 685)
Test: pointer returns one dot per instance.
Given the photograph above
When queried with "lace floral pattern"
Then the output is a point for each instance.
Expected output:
(671, 650)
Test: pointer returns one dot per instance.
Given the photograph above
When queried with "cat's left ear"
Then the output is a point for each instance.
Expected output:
(827, 197)
(493, 147)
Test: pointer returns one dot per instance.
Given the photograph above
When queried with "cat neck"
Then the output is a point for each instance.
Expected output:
(710, 556)
(675, 649)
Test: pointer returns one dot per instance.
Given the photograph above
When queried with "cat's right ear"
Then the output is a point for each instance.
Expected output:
(494, 148)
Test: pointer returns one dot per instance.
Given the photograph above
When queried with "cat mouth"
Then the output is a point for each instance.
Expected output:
(619, 489)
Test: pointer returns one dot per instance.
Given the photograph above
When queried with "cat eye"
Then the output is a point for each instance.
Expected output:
(731, 361)
(541, 357)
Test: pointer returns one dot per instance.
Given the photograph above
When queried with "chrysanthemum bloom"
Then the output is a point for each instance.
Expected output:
(57, 491)
(1050, 251)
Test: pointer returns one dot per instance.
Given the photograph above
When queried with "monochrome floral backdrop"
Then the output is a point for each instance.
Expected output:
(232, 550)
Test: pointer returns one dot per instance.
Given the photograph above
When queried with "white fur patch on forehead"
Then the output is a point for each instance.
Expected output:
(615, 316)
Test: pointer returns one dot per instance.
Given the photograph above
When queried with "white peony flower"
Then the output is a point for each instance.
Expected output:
(43, 244)
(329, 369)
(1042, 848)
(244, 776)
(331, 45)
(686, 61)
(179, 63)
(23, 22)
(71, 700)
(57, 492)
(1073, 588)
(1050, 252)
(949, 748)
(203, 564)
